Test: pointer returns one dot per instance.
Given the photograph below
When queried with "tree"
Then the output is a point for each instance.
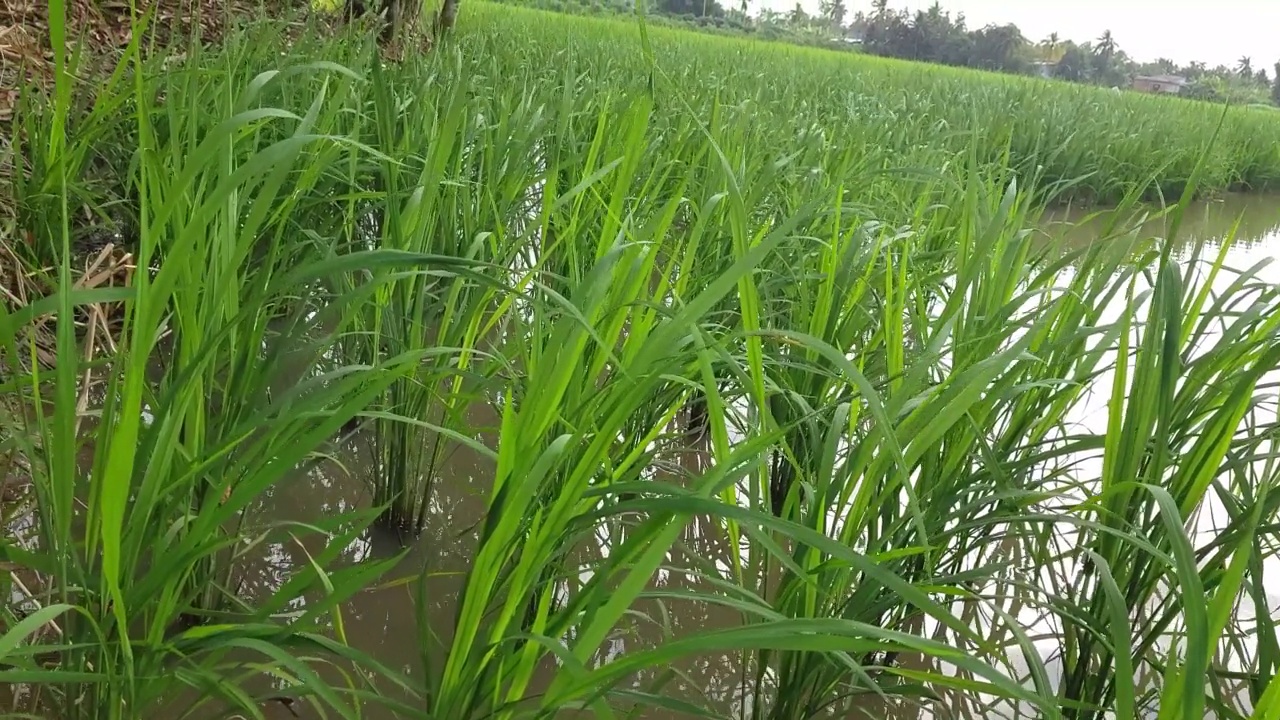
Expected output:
(1106, 46)
(1203, 91)
(859, 24)
(448, 16)
(798, 17)
(941, 38)
(1109, 63)
(1275, 87)
(833, 11)
(929, 35)
(1245, 67)
(388, 12)
(1076, 64)
(694, 8)
(995, 47)
(1050, 46)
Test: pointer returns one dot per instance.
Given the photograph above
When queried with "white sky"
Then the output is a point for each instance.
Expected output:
(1213, 31)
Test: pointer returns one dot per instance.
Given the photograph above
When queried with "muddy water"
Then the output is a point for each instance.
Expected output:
(381, 621)
(1258, 218)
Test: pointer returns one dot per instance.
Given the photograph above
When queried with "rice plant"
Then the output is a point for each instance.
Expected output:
(831, 265)
(143, 474)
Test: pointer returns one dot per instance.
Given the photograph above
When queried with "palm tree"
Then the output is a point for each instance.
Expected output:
(1051, 45)
(834, 11)
(798, 17)
(1245, 66)
(1106, 45)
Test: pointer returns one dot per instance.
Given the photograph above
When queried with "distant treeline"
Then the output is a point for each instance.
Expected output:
(939, 36)
(936, 35)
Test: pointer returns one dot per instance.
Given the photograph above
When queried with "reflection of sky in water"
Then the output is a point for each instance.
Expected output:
(1257, 216)
(381, 621)
(1254, 249)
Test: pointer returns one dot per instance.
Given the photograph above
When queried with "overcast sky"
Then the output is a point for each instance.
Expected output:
(1213, 31)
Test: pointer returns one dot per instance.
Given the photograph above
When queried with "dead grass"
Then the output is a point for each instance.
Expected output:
(98, 324)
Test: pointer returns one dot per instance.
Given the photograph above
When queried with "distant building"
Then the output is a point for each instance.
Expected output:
(1166, 84)
(1045, 69)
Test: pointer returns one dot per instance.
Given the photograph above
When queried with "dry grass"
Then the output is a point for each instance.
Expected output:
(98, 323)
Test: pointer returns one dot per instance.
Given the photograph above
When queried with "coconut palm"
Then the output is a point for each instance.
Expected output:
(1106, 45)
(1050, 46)
(833, 11)
(798, 17)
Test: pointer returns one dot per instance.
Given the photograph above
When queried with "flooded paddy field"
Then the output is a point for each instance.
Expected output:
(552, 374)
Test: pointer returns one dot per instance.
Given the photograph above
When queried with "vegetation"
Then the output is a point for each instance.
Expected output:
(936, 35)
(1275, 86)
(712, 17)
(598, 232)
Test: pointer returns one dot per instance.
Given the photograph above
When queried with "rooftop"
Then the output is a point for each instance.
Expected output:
(1170, 79)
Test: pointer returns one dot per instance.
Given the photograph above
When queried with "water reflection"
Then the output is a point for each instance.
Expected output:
(1254, 220)
(1245, 232)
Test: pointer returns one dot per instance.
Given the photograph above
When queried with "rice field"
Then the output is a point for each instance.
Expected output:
(758, 357)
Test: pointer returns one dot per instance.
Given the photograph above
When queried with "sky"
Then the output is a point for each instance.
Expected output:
(1212, 31)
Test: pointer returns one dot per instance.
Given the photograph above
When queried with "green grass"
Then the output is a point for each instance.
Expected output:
(1106, 143)
(832, 258)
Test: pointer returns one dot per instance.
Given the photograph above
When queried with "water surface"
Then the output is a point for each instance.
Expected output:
(382, 622)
